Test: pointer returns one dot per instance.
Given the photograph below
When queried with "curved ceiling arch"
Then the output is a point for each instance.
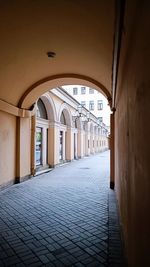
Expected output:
(81, 38)
(51, 82)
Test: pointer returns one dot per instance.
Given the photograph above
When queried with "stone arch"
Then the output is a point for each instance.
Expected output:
(40, 87)
(67, 113)
(41, 111)
(50, 107)
(66, 133)
(47, 133)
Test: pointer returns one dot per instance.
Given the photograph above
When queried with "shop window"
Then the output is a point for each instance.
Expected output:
(61, 146)
(38, 146)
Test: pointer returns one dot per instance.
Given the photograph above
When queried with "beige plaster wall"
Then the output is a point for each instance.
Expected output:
(53, 146)
(132, 133)
(7, 148)
(25, 147)
(32, 29)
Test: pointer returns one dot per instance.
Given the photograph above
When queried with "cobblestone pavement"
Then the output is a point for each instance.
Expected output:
(66, 217)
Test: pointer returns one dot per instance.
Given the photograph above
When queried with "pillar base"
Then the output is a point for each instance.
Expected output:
(19, 180)
(112, 185)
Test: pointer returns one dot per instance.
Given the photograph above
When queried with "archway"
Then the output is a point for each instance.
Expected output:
(41, 145)
(65, 134)
(51, 82)
(40, 87)
(42, 137)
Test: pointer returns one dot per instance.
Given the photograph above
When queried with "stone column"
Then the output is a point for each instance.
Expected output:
(76, 145)
(87, 143)
(92, 143)
(23, 157)
(69, 144)
(53, 145)
(95, 142)
(80, 144)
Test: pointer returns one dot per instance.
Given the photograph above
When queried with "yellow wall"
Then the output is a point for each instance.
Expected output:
(25, 147)
(132, 168)
(7, 148)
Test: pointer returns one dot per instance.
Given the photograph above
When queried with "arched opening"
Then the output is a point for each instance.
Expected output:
(62, 136)
(43, 144)
(85, 132)
(65, 151)
(40, 87)
(41, 110)
(75, 135)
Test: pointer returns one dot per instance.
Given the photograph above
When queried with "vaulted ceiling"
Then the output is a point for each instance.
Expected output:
(79, 32)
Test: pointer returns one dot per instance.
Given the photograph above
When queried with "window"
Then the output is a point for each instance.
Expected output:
(61, 145)
(91, 105)
(38, 151)
(75, 91)
(62, 118)
(83, 90)
(41, 110)
(99, 104)
(91, 91)
(83, 103)
(100, 119)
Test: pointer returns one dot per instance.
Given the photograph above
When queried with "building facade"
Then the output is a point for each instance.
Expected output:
(62, 133)
(91, 99)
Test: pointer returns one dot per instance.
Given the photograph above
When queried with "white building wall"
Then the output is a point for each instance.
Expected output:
(87, 97)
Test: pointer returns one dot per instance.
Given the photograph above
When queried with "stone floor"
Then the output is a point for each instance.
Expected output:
(67, 217)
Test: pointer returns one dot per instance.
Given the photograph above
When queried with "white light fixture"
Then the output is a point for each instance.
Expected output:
(80, 107)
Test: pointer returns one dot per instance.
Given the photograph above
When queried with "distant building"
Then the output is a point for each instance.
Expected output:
(92, 100)
(64, 131)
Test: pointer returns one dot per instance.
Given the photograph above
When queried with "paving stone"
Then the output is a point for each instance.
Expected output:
(67, 217)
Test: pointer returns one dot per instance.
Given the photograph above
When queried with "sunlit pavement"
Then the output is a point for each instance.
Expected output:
(66, 217)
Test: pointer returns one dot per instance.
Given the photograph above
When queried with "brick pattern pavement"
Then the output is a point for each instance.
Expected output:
(67, 217)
